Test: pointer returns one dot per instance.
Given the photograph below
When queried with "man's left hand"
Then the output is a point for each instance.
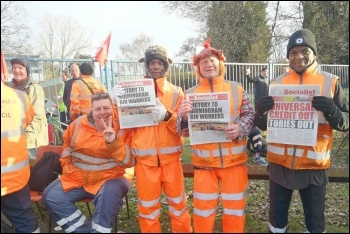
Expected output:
(324, 104)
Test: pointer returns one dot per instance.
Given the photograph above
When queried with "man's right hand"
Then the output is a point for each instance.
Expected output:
(186, 107)
(264, 104)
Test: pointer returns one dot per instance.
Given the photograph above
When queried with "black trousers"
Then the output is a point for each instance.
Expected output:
(17, 207)
(64, 119)
(313, 200)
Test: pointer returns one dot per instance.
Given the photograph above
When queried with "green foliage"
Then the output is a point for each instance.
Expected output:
(240, 29)
(329, 20)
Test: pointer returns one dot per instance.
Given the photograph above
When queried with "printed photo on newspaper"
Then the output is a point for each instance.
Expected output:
(209, 117)
(132, 106)
(293, 120)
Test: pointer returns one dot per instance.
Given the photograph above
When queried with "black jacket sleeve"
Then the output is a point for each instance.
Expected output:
(339, 120)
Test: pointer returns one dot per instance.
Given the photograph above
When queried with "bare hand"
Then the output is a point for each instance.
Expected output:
(232, 131)
(186, 107)
(108, 133)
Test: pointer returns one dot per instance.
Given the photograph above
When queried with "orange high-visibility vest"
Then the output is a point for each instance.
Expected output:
(307, 157)
(81, 95)
(88, 162)
(16, 114)
(224, 154)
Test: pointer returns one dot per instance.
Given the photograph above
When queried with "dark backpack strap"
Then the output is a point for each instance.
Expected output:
(92, 92)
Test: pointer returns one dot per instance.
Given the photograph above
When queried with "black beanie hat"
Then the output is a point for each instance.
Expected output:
(302, 37)
(22, 61)
(86, 69)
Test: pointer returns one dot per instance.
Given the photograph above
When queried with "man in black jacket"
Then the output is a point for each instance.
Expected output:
(302, 167)
(75, 73)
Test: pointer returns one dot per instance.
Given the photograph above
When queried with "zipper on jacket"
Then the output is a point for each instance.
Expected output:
(295, 146)
(219, 144)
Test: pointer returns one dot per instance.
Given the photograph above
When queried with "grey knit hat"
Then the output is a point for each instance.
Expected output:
(302, 37)
(22, 61)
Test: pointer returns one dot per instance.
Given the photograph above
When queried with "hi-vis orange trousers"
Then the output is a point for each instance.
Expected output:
(149, 184)
(234, 182)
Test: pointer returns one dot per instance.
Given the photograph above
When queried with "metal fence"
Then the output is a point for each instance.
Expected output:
(49, 72)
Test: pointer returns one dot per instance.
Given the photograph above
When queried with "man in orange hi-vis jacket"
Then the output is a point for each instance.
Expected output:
(82, 90)
(16, 114)
(224, 161)
(157, 150)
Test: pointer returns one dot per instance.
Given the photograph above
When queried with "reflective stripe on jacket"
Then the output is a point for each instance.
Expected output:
(87, 161)
(80, 96)
(224, 154)
(16, 114)
(37, 131)
(154, 145)
(307, 157)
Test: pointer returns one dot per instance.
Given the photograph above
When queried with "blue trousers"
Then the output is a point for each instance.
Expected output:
(17, 208)
(108, 201)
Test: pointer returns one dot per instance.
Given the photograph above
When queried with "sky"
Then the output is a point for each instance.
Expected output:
(126, 21)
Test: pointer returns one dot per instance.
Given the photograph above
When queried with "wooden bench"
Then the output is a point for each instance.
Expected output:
(258, 172)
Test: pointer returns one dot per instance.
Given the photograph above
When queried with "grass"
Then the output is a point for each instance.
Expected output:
(337, 203)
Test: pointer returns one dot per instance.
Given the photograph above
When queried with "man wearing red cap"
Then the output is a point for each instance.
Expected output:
(221, 163)
(301, 167)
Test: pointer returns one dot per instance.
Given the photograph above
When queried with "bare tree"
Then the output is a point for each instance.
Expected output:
(132, 51)
(62, 36)
(14, 31)
(136, 48)
(188, 48)
(284, 18)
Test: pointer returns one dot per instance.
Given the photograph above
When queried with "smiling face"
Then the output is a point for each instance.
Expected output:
(102, 109)
(209, 66)
(19, 72)
(300, 58)
(156, 68)
(74, 71)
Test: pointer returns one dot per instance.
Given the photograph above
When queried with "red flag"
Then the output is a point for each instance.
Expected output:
(102, 55)
(4, 71)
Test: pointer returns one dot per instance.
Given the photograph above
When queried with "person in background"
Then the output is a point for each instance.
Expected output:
(37, 131)
(301, 167)
(75, 75)
(255, 137)
(80, 97)
(16, 114)
(219, 168)
(94, 163)
(285, 69)
(61, 106)
(157, 150)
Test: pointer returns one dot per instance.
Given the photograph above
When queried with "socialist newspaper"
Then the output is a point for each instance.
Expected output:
(293, 120)
(132, 106)
(209, 117)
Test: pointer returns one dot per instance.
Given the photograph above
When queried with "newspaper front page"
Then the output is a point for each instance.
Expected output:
(293, 120)
(139, 94)
(209, 117)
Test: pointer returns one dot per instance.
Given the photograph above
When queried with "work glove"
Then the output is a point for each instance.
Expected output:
(264, 104)
(158, 111)
(324, 104)
(117, 92)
